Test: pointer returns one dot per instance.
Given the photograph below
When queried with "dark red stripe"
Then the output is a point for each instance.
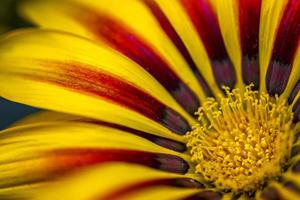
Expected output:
(271, 193)
(206, 23)
(172, 182)
(249, 19)
(285, 46)
(62, 162)
(292, 187)
(130, 44)
(294, 92)
(205, 195)
(79, 77)
(161, 141)
(173, 35)
(66, 160)
(296, 167)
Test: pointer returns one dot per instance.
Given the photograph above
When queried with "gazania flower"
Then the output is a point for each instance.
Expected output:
(153, 99)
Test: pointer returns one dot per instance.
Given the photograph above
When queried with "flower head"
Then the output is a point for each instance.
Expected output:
(153, 99)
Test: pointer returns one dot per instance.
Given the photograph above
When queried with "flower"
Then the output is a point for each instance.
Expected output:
(153, 99)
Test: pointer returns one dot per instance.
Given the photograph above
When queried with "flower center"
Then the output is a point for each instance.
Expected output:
(241, 140)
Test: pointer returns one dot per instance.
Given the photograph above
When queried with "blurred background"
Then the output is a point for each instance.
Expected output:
(10, 20)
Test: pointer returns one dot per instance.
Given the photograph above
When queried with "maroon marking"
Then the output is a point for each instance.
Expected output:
(271, 194)
(250, 71)
(277, 77)
(296, 110)
(175, 38)
(207, 26)
(130, 44)
(294, 92)
(79, 77)
(137, 187)
(296, 167)
(292, 187)
(249, 19)
(285, 46)
(161, 141)
(66, 160)
(205, 195)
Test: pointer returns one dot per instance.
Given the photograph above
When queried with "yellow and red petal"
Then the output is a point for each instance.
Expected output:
(232, 45)
(279, 39)
(45, 117)
(168, 28)
(145, 98)
(38, 154)
(205, 20)
(269, 21)
(144, 41)
(73, 75)
(120, 181)
(284, 50)
(227, 13)
(182, 24)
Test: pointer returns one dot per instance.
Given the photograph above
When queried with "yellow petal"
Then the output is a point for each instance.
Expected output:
(182, 24)
(92, 18)
(46, 117)
(34, 155)
(102, 182)
(227, 12)
(72, 75)
(294, 77)
(282, 192)
(271, 14)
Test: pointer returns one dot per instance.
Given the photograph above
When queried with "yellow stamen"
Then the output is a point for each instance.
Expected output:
(241, 140)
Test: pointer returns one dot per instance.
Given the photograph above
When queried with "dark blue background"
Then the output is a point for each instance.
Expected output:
(10, 112)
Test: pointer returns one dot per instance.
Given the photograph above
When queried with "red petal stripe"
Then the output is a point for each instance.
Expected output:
(205, 195)
(206, 23)
(54, 164)
(173, 35)
(285, 46)
(249, 19)
(79, 77)
(130, 44)
(134, 188)
(65, 160)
